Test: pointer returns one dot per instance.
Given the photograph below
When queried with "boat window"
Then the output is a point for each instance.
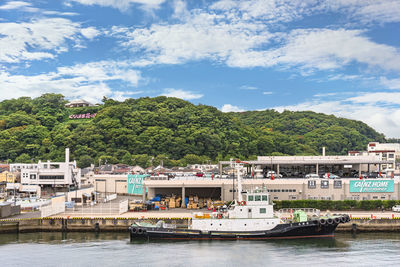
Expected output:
(263, 210)
(264, 198)
(258, 198)
(250, 198)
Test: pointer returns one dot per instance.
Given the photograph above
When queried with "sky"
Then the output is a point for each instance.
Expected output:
(338, 57)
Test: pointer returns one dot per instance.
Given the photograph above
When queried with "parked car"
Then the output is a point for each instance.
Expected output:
(312, 175)
(270, 173)
(329, 175)
(396, 208)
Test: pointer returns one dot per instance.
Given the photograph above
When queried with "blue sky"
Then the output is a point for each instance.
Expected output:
(337, 57)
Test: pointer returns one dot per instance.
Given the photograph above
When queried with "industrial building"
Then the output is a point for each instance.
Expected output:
(299, 166)
(50, 176)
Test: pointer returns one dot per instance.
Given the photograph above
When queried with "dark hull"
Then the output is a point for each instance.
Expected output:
(308, 229)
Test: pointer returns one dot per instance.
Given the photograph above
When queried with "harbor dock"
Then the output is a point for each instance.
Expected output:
(121, 224)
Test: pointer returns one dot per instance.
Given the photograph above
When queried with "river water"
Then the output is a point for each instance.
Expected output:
(115, 249)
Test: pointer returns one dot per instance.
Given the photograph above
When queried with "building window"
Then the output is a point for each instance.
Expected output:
(383, 197)
(337, 184)
(263, 210)
(264, 198)
(294, 190)
(51, 177)
(258, 198)
(275, 198)
(391, 156)
(374, 197)
(324, 184)
(312, 184)
(33, 177)
(250, 198)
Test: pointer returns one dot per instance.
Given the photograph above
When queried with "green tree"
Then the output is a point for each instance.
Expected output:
(85, 161)
(23, 158)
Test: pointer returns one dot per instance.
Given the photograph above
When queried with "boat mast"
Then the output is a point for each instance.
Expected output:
(238, 166)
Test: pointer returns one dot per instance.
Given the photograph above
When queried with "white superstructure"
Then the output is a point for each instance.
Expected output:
(253, 211)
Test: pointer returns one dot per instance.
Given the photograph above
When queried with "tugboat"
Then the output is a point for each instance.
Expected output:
(250, 217)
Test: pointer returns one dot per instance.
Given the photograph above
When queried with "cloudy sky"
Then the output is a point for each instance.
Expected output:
(338, 57)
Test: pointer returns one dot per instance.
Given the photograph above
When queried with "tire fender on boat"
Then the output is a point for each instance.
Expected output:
(336, 220)
(140, 231)
(242, 203)
(329, 221)
(134, 230)
(322, 221)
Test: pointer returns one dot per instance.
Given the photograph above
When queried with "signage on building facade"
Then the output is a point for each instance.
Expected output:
(372, 186)
(135, 183)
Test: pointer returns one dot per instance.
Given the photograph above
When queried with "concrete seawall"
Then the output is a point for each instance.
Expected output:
(104, 224)
(78, 224)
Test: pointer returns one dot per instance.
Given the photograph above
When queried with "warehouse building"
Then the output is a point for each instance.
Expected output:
(281, 189)
(299, 166)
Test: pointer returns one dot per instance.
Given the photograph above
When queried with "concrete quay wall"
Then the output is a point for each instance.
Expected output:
(78, 224)
(104, 224)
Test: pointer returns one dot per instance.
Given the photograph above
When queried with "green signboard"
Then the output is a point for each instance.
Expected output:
(372, 186)
(135, 183)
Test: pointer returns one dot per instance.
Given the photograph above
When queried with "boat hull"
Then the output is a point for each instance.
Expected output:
(309, 229)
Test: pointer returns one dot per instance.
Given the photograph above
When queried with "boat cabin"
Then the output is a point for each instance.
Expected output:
(257, 204)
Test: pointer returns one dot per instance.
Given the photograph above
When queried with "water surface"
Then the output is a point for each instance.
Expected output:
(115, 249)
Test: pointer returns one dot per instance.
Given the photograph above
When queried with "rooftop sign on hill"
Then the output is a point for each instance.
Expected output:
(83, 116)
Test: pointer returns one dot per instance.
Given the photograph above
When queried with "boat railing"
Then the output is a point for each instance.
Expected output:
(309, 211)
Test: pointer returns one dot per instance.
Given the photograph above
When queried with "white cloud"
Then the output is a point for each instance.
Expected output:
(122, 95)
(273, 11)
(179, 93)
(383, 11)
(326, 49)
(248, 87)
(325, 94)
(390, 83)
(122, 5)
(231, 108)
(90, 32)
(88, 81)
(20, 5)
(240, 43)
(375, 98)
(39, 39)
(267, 93)
(202, 36)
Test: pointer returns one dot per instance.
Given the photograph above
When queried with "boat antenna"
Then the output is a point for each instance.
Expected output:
(238, 167)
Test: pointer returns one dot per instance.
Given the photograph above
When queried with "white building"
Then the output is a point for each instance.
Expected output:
(203, 167)
(388, 152)
(50, 174)
(78, 103)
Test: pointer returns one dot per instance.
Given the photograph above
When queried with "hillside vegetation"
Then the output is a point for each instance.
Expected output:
(146, 131)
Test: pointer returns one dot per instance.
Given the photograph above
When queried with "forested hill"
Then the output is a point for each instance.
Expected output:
(145, 131)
